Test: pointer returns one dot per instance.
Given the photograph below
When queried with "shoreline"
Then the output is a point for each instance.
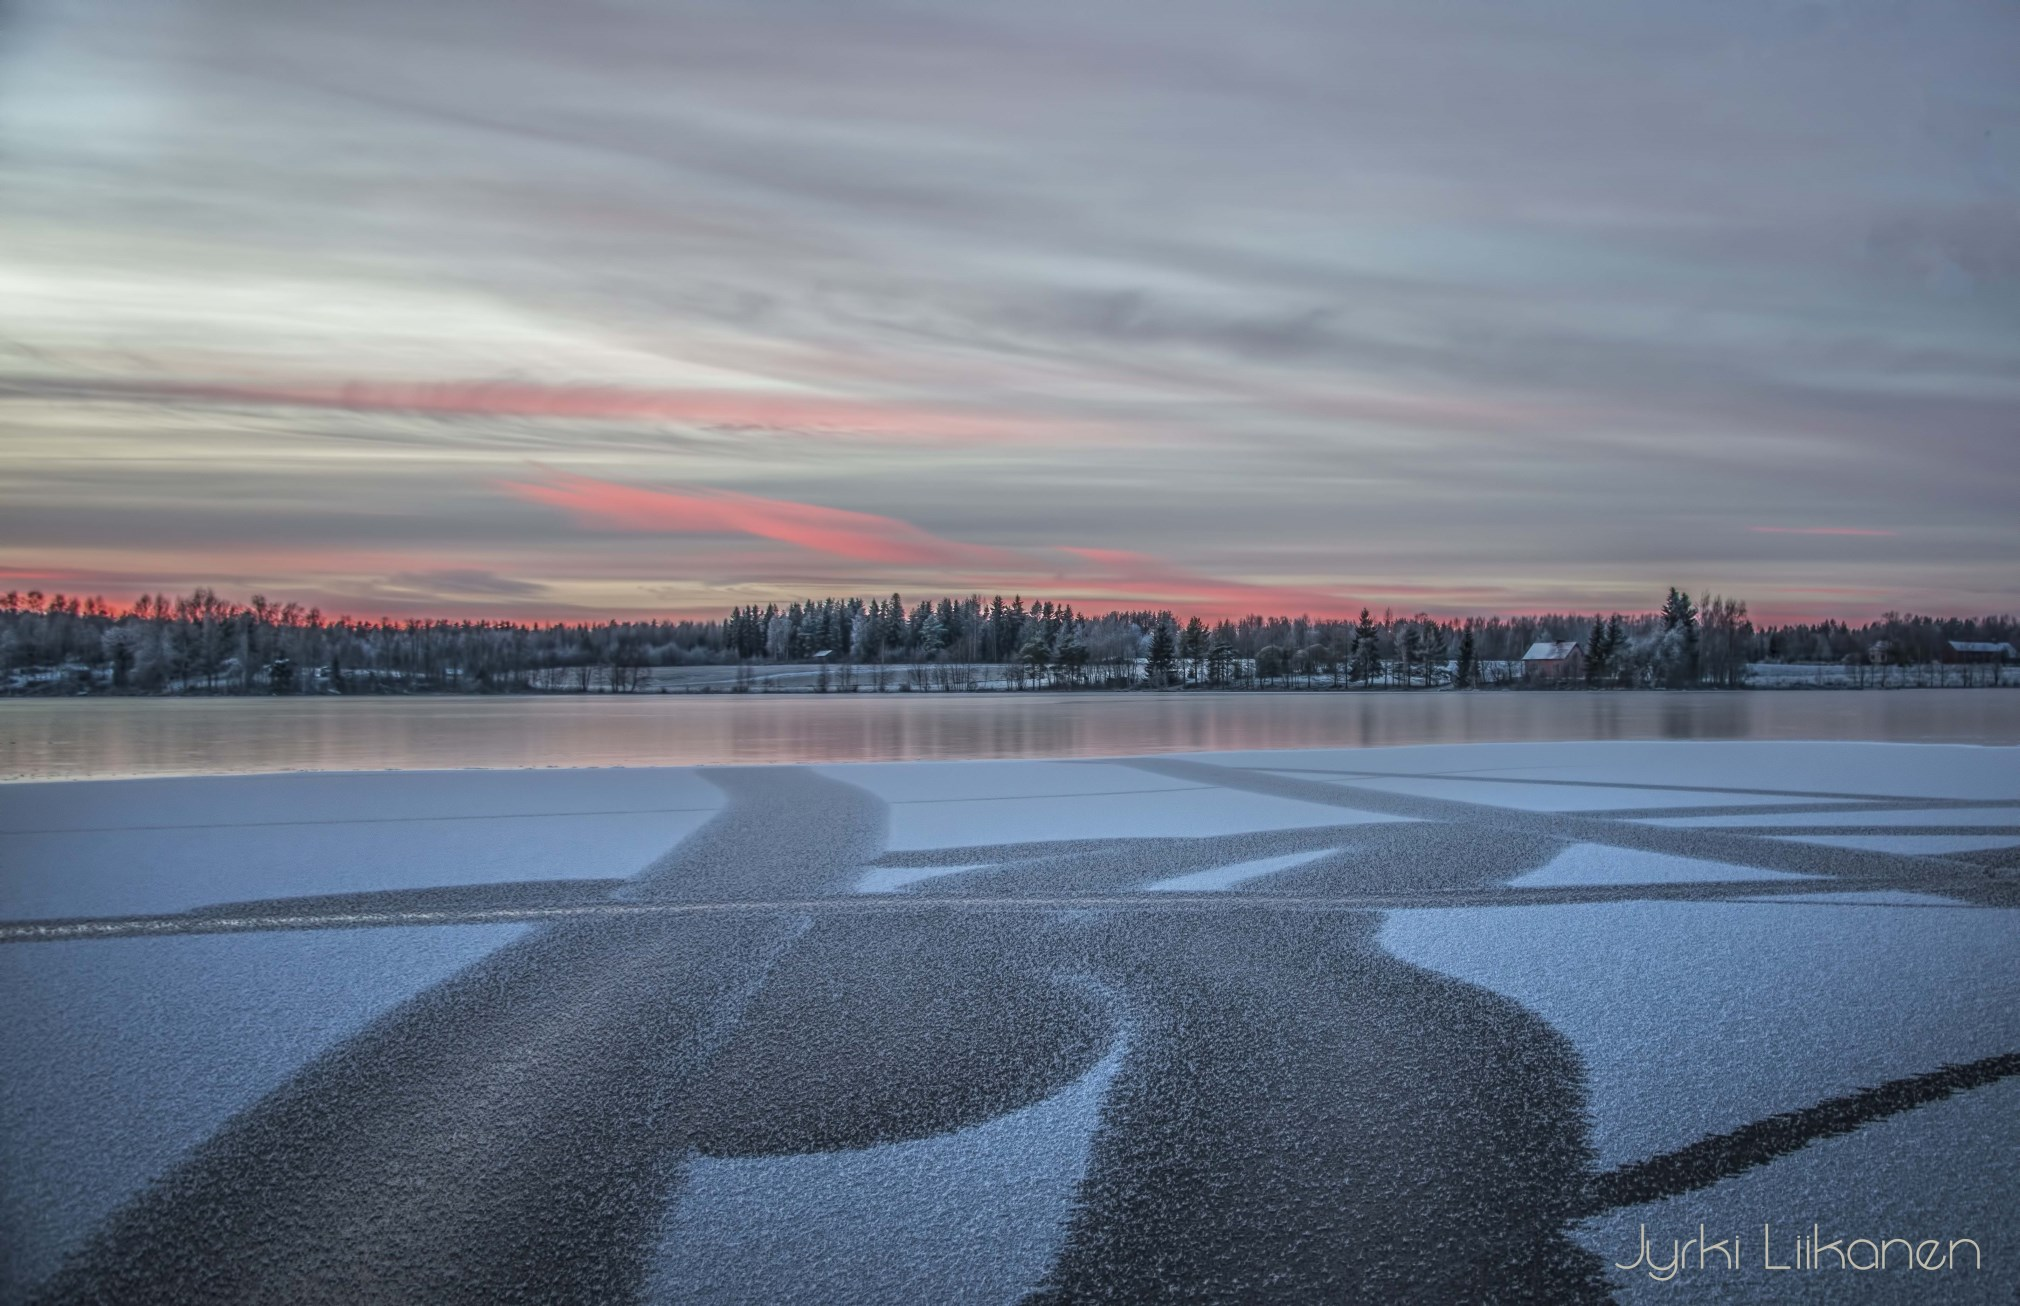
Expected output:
(726, 689)
(51, 740)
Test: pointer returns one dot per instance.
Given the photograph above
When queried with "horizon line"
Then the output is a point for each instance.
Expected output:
(97, 605)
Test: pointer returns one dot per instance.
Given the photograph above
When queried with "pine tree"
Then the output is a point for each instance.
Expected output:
(1192, 646)
(1367, 648)
(1468, 670)
(1158, 664)
(1408, 641)
(1677, 610)
(894, 625)
(1437, 647)
(1219, 660)
(1679, 620)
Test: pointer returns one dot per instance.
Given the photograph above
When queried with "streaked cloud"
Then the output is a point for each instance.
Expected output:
(1289, 306)
(1128, 579)
(1820, 530)
(461, 582)
(800, 414)
(837, 532)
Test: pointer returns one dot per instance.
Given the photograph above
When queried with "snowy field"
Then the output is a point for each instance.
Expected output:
(1440, 1023)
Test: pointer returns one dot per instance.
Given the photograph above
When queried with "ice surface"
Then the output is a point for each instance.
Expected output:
(968, 804)
(1945, 1170)
(1530, 797)
(1592, 863)
(107, 848)
(1901, 770)
(1226, 877)
(123, 1054)
(977, 1215)
(1694, 1018)
(1926, 845)
(1186, 813)
(1867, 897)
(343, 796)
(889, 879)
(916, 782)
(1689, 1017)
(1937, 816)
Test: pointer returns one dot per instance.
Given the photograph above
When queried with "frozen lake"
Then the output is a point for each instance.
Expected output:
(81, 738)
(1440, 1023)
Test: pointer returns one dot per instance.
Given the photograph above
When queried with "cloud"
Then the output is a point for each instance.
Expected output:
(1286, 305)
(35, 573)
(1131, 579)
(799, 413)
(1126, 578)
(836, 532)
(1076, 574)
(1980, 241)
(462, 582)
(1820, 530)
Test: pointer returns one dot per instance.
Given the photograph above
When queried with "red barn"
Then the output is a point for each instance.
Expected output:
(1965, 650)
(1554, 660)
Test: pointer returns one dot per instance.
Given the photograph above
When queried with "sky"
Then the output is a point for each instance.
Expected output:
(617, 307)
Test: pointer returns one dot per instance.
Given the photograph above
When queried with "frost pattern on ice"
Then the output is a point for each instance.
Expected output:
(1924, 845)
(1168, 813)
(122, 1056)
(971, 1216)
(1226, 877)
(1938, 816)
(1547, 797)
(133, 847)
(889, 879)
(1954, 1157)
(1695, 1018)
(1825, 770)
(1595, 864)
(1866, 898)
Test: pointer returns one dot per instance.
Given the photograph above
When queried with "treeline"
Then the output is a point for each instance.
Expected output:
(202, 643)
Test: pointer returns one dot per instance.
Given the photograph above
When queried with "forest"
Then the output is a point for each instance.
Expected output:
(203, 643)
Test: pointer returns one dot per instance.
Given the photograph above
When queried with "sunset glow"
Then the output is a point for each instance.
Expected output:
(666, 309)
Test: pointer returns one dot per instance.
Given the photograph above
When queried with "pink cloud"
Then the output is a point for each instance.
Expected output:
(1089, 577)
(55, 574)
(1131, 578)
(837, 532)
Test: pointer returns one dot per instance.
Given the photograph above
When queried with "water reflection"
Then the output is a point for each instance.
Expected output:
(75, 738)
